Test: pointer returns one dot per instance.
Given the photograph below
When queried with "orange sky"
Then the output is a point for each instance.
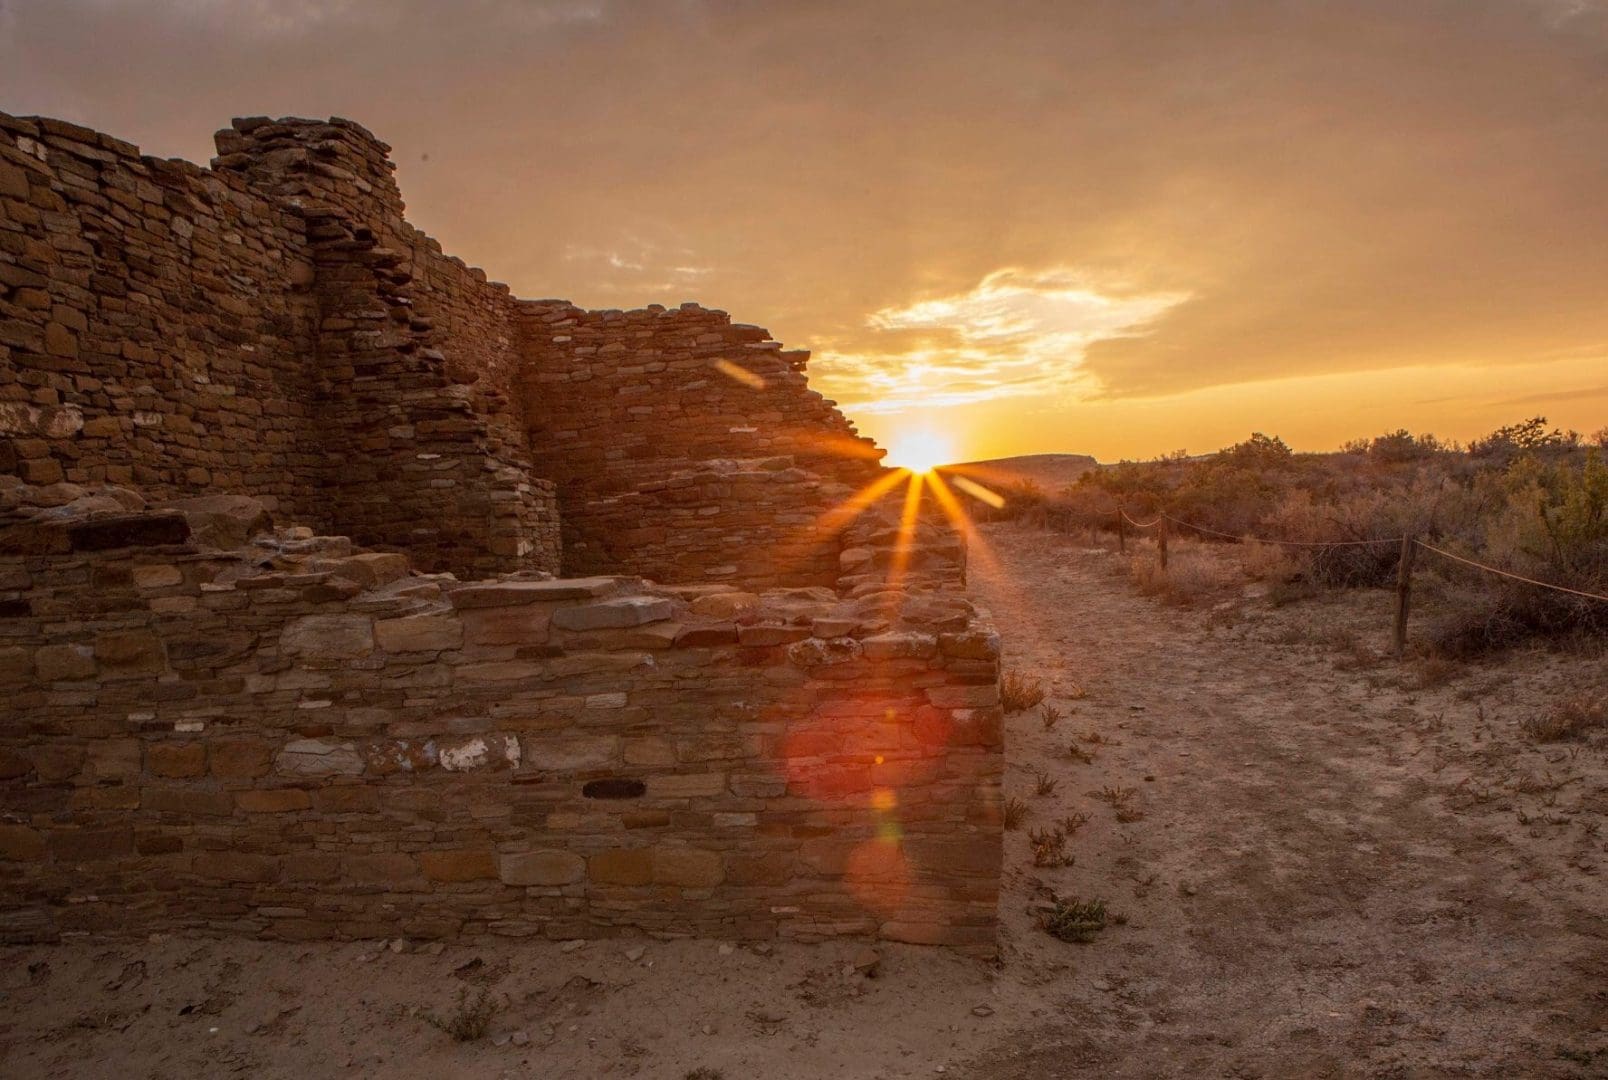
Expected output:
(1121, 228)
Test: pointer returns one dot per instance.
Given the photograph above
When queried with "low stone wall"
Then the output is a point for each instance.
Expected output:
(298, 741)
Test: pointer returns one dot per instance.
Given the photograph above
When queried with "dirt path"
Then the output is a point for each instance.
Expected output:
(1328, 870)
(1312, 890)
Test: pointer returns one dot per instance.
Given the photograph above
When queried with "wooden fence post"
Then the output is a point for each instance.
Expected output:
(1161, 541)
(1404, 584)
(1122, 532)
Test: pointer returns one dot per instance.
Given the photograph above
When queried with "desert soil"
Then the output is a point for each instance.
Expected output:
(1329, 865)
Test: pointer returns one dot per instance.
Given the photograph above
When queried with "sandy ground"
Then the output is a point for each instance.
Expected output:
(1329, 866)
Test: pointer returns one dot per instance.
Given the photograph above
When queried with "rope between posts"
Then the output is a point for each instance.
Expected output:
(1289, 543)
(1507, 574)
(1123, 513)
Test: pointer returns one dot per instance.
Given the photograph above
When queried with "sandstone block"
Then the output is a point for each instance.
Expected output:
(490, 751)
(91, 845)
(688, 868)
(128, 530)
(621, 867)
(319, 757)
(458, 865)
(650, 750)
(608, 614)
(703, 636)
(18, 843)
(418, 633)
(970, 644)
(382, 868)
(687, 786)
(518, 625)
(128, 654)
(328, 637)
(964, 697)
(900, 645)
(769, 635)
(241, 759)
(16, 665)
(823, 652)
(512, 593)
(176, 760)
(224, 521)
(157, 576)
(273, 800)
(237, 866)
(542, 868)
(369, 568)
(64, 663)
(724, 605)
(562, 752)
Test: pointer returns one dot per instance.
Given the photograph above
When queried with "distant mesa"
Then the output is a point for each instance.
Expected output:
(1049, 471)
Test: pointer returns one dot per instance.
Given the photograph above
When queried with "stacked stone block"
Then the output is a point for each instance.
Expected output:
(299, 740)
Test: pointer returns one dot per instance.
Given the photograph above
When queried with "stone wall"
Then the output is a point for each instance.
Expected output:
(156, 323)
(424, 445)
(270, 326)
(644, 417)
(298, 741)
(207, 724)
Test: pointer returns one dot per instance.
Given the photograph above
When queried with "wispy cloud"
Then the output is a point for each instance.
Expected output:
(1016, 333)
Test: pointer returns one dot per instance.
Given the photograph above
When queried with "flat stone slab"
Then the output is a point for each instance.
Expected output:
(129, 530)
(514, 593)
(613, 614)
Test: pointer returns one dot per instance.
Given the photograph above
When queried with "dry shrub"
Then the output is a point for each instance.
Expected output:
(1190, 577)
(470, 1017)
(1050, 715)
(1044, 783)
(1019, 692)
(1015, 813)
(1436, 671)
(1505, 613)
(1270, 563)
(1073, 920)
(1569, 718)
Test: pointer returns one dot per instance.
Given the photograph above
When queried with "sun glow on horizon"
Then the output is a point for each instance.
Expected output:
(920, 451)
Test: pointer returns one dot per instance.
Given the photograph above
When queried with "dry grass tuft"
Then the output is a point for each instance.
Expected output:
(1044, 783)
(1120, 799)
(1191, 577)
(470, 1017)
(1437, 670)
(1050, 715)
(1019, 692)
(1073, 822)
(1049, 848)
(1014, 814)
(1569, 718)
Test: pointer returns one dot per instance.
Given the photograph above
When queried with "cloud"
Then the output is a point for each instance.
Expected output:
(1016, 333)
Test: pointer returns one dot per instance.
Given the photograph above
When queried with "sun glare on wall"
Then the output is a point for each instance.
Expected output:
(919, 451)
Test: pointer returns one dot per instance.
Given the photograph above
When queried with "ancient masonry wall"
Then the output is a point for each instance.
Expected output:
(686, 446)
(207, 721)
(155, 323)
(269, 327)
(300, 742)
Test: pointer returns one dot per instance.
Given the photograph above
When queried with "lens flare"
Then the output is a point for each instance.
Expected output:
(920, 451)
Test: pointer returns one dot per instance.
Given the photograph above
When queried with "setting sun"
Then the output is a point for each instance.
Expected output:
(919, 451)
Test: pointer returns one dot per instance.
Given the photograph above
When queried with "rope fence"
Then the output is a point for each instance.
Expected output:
(1409, 544)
